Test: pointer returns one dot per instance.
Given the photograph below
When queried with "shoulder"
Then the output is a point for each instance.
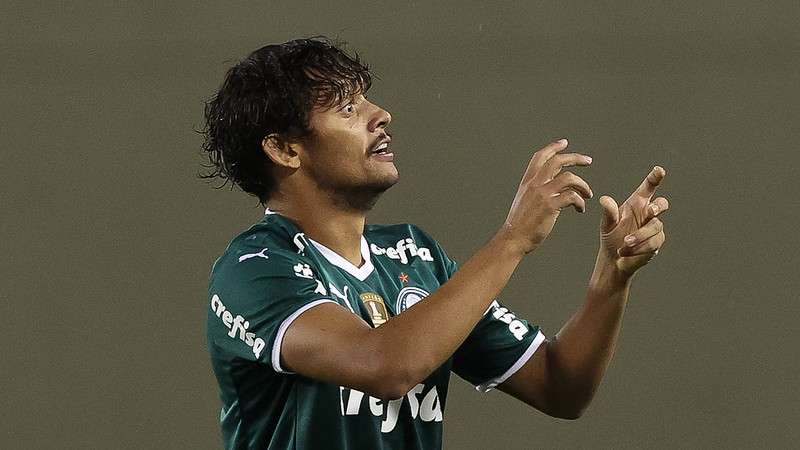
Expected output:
(266, 249)
(270, 235)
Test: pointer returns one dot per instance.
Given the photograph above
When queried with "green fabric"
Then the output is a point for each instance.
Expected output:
(271, 271)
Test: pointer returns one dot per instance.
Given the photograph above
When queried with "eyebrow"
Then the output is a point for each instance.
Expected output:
(350, 100)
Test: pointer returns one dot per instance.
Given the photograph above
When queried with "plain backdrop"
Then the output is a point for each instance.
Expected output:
(108, 236)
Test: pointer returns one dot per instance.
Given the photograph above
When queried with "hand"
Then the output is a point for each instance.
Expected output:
(543, 192)
(637, 217)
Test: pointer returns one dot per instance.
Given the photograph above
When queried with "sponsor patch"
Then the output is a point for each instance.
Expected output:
(238, 326)
(515, 326)
(403, 251)
(425, 408)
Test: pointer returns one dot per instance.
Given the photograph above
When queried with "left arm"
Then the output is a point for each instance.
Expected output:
(562, 376)
(564, 373)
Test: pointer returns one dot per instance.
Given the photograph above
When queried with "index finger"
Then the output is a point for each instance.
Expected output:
(648, 187)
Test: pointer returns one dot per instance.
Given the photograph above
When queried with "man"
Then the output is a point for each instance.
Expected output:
(327, 333)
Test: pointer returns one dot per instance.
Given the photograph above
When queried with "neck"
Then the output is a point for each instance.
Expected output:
(326, 222)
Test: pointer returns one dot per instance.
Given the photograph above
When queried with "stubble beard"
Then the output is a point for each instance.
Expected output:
(353, 197)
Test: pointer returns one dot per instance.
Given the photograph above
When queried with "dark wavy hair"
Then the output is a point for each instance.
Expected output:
(273, 90)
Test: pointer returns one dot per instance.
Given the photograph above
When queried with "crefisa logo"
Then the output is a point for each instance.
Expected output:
(408, 297)
(404, 250)
(237, 326)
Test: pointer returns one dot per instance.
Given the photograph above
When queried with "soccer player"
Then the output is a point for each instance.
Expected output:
(329, 333)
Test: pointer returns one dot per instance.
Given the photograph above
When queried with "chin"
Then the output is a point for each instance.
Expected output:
(380, 178)
(391, 176)
(362, 197)
(379, 186)
(390, 180)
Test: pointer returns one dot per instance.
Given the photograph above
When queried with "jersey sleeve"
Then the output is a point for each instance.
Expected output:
(499, 345)
(254, 295)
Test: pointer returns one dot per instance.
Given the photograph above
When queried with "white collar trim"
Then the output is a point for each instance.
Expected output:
(337, 260)
(361, 273)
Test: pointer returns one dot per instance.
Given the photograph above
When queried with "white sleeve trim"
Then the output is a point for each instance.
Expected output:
(276, 347)
(491, 384)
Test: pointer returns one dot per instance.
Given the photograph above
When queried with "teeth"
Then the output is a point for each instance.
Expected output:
(382, 146)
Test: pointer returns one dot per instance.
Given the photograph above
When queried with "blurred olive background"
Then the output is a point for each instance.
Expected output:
(108, 235)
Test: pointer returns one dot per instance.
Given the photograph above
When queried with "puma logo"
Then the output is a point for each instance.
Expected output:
(261, 254)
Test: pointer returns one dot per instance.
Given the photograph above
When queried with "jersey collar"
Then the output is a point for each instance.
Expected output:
(337, 260)
(361, 273)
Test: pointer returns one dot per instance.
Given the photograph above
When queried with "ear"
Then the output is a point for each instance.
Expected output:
(280, 151)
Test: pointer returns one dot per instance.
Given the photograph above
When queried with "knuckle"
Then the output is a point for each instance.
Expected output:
(552, 184)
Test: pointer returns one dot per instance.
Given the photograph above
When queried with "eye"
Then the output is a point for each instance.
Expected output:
(349, 109)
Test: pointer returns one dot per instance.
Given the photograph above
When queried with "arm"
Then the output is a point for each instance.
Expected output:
(564, 374)
(330, 344)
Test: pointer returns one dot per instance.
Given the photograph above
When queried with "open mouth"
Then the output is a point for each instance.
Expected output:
(382, 149)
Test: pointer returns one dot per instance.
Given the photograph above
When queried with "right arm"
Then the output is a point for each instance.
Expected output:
(331, 344)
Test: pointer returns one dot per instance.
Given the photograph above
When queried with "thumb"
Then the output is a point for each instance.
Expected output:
(610, 213)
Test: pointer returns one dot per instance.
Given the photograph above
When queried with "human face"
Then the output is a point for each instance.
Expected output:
(340, 155)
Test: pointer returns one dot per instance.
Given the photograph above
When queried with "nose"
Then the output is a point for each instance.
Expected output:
(380, 119)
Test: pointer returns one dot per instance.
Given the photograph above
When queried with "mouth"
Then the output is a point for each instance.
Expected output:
(382, 148)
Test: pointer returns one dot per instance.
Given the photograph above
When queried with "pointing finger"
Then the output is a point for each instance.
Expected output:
(650, 183)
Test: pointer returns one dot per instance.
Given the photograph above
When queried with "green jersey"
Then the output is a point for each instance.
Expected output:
(272, 273)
